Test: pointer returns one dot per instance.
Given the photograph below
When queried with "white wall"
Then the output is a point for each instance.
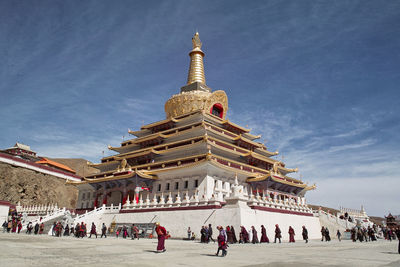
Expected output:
(177, 221)
(3, 213)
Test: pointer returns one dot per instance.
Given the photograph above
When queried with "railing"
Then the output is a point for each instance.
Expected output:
(48, 217)
(169, 202)
(335, 219)
(279, 204)
(37, 209)
(196, 200)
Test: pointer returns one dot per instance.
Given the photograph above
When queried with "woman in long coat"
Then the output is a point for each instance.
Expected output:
(229, 235)
(255, 237)
(233, 234)
(291, 234)
(264, 237)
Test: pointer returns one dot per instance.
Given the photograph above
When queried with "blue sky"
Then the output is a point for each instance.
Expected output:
(318, 79)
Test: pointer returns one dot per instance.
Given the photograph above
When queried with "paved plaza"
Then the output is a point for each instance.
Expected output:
(23, 250)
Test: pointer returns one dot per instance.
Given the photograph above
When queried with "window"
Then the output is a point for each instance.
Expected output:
(196, 183)
(176, 185)
(167, 186)
(217, 110)
(186, 184)
(159, 187)
(83, 196)
(82, 205)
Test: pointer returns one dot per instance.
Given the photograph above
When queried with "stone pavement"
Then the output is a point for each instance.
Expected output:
(23, 250)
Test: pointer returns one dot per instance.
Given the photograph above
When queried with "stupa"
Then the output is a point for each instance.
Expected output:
(197, 167)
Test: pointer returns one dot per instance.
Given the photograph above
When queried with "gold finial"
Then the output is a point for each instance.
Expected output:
(196, 41)
(196, 69)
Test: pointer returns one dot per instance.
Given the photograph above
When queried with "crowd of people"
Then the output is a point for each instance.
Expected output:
(225, 236)
(246, 236)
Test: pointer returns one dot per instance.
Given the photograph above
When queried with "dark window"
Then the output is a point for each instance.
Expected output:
(167, 186)
(186, 184)
(159, 187)
(217, 110)
(196, 183)
(176, 185)
(83, 196)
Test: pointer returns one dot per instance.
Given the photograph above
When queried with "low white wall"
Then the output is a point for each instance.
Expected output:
(177, 221)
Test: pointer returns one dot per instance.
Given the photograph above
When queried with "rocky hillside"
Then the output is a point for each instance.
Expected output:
(33, 188)
(78, 165)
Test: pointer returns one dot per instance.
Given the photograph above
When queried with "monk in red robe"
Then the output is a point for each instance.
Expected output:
(291, 234)
(161, 233)
(264, 237)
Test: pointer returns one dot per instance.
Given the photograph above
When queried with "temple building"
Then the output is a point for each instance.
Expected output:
(196, 159)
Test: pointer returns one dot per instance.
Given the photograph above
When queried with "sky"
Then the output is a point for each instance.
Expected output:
(319, 80)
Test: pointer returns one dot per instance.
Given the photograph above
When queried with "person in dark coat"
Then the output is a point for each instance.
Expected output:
(327, 236)
(29, 228)
(322, 233)
(36, 229)
(305, 234)
(398, 236)
(210, 233)
(233, 234)
(255, 237)
(203, 234)
(338, 234)
(244, 235)
(104, 231)
(278, 234)
(353, 234)
(66, 231)
(229, 235)
(264, 237)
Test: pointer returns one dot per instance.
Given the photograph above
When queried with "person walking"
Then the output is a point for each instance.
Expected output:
(233, 234)
(339, 235)
(305, 234)
(278, 234)
(29, 228)
(222, 242)
(5, 224)
(398, 236)
(323, 233)
(66, 230)
(103, 231)
(41, 228)
(291, 234)
(255, 237)
(161, 233)
(93, 230)
(264, 237)
(210, 233)
(134, 232)
(327, 236)
(189, 233)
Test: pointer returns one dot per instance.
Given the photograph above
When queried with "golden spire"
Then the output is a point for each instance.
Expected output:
(196, 69)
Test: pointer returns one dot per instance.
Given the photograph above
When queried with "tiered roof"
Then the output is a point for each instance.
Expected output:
(195, 137)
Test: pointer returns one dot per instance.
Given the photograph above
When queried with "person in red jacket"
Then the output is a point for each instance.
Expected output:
(161, 233)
